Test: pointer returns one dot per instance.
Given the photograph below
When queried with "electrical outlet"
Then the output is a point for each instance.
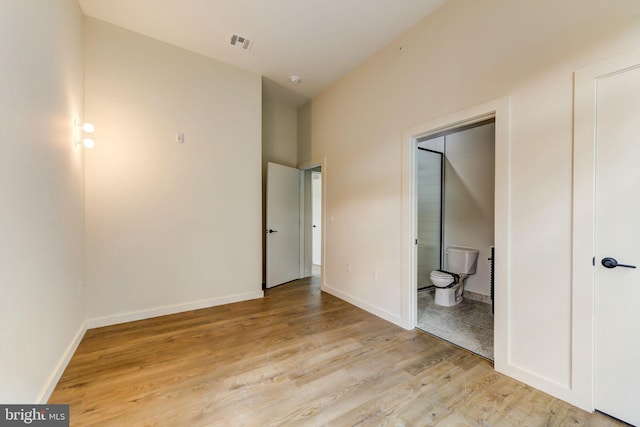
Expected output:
(348, 267)
(180, 138)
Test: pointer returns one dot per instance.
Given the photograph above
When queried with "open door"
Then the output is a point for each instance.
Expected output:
(283, 224)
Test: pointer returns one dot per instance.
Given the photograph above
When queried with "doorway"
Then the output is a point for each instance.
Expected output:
(498, 109)
(455, 208)
(316, 222)
(282, 224)
(311, 221)
(294, 223)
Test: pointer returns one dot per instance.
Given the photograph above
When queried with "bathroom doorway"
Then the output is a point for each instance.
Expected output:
(455, 183)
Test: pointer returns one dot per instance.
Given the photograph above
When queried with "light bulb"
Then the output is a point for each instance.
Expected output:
(88, 127)
(88, 143)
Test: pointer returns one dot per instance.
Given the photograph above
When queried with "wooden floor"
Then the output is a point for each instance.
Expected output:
(295, 357)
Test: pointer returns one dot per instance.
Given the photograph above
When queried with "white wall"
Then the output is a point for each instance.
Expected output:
(41, 184)
(169, 226)
(304, 133)
(483, 51)
(279, 132)
(279, 139)
(469, 198)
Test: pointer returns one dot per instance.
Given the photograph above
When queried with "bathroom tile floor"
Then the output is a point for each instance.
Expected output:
(468, 324)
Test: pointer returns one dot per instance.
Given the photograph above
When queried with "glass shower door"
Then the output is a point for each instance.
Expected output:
(430, 169)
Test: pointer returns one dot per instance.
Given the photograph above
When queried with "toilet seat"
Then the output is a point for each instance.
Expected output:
(446, 278)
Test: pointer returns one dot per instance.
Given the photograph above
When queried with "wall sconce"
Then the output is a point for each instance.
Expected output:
(80, 135)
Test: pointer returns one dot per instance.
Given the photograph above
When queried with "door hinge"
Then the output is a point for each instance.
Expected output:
(593, 261)
(416, 241)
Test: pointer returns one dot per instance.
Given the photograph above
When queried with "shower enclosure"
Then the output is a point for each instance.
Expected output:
(430, 165)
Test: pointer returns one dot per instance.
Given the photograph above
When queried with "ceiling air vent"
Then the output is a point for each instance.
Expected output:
(241, 42)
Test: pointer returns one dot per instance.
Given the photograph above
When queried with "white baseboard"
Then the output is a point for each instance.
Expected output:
(171, 309)
(51, 383)
(363, 305)
(556, 389)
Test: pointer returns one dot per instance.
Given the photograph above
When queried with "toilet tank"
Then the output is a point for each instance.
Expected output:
(462, 260)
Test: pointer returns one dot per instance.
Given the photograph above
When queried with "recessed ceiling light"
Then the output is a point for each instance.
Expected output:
(295, 80)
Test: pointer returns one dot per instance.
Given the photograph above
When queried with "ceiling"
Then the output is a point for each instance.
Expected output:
(317, 40)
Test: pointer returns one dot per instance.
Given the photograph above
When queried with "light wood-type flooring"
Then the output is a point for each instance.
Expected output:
(296, 357)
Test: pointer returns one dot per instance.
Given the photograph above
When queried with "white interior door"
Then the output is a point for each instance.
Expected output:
(316, 214)
(617, 236)
(283, 224)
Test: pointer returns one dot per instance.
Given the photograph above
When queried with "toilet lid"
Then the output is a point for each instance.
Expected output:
(441, 275)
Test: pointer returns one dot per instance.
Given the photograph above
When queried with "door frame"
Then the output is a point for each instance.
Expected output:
(583, 251)
(500, 110)
(316, 212)
(305, 256)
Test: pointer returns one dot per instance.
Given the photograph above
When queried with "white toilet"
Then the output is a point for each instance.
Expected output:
(461, 262)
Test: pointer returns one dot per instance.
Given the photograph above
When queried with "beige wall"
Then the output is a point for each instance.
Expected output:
(465, 54)
(42, 215)
(304, 133)
(279, 133)
(170, 226)
(279, 142)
